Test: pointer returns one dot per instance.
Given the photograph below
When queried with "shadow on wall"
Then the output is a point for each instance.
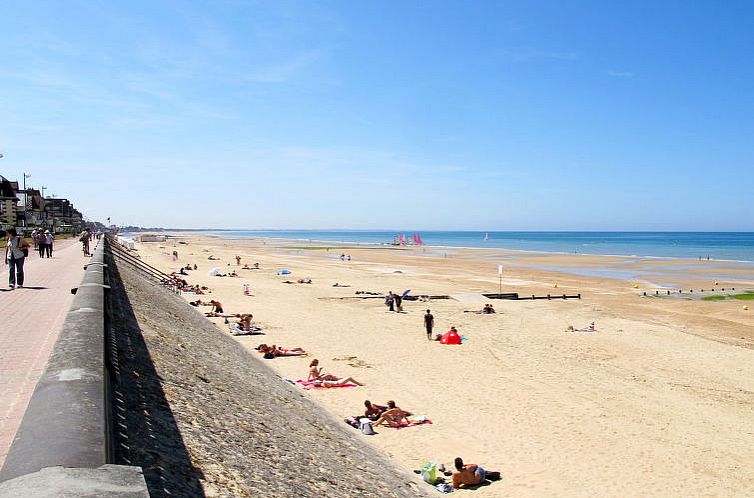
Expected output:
(145, 430)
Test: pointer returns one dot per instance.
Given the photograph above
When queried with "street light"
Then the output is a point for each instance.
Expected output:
(26, 198)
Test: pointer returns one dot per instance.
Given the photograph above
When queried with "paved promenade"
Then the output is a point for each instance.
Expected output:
(31, 321)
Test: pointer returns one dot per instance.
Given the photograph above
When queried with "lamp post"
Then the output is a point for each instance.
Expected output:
(26, 198)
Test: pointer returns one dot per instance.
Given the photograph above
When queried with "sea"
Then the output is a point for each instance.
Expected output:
(731, 246)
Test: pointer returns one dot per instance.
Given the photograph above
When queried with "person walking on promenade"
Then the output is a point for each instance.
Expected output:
(429, 323)
(15, 254)
(41, 244)
(49, 239)
(85, 242)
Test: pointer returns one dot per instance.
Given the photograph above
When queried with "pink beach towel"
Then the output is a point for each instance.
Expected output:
(305, 384)
(403, 425)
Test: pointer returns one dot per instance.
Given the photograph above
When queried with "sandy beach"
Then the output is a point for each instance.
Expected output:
(658, 401)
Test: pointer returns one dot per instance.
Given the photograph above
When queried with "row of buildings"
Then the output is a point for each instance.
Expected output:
(28, 209)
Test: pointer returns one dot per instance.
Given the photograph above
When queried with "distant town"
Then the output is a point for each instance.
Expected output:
(27, 208)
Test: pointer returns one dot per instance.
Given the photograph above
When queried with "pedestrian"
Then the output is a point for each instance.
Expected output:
(49, 239)
(85, 242)
(398, 303)
(238, 260)
(35, 238)
(41, 244)
(389, 300)
(15, 253)
(429, 323)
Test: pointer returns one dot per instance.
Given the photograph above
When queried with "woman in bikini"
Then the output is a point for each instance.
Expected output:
(317, 378)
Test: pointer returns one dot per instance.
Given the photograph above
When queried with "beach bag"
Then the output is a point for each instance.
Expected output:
(365, 425)
(429, 473)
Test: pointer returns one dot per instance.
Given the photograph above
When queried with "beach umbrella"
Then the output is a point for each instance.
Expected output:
(284, 272)
(214, 271)
(406, 293)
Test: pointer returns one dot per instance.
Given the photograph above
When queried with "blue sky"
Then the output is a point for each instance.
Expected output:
(408, 115)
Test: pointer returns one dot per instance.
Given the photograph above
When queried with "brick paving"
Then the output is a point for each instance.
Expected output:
(31, 321)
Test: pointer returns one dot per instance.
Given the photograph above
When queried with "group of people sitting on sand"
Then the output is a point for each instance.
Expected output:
(390, 415)
(255, 266)
(318, 379)
(182, 285)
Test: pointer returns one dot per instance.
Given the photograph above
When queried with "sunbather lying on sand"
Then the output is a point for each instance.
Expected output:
(487, 310)
(335, 383)
(213, 314)
(316, 375)
(276, 351)
(393, 416)
(336, 284)
(470, 474)
(304, 281)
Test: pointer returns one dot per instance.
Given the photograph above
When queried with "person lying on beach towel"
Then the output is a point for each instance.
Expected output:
(212, 314)
(336, 284)
(304, 281)
(335, 383)
(276, 351)
(315, 374)
(393, 416)
(470, 474)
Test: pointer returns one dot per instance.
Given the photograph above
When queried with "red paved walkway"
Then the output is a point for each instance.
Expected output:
(31, 319)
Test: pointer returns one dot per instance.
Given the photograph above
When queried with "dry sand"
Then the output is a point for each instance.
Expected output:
(658, 402)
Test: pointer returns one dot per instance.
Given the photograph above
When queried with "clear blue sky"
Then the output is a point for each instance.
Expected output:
(352, 114)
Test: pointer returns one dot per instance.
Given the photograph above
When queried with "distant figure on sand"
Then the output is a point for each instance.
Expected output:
(389, 301)
(398, 303)
(238, 260)
(429, 323)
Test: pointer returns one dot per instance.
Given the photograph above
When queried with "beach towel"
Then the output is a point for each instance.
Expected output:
(235, 329)
(412, 421)
(306, 384)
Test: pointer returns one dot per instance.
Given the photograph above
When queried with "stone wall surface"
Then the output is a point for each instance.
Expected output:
(205, 418)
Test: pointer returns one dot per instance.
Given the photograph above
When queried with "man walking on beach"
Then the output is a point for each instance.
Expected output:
(429, 322)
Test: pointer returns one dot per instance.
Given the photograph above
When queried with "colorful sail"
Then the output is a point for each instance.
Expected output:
(486, 236)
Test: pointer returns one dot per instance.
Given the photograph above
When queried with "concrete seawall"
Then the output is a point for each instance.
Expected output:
(204, 417)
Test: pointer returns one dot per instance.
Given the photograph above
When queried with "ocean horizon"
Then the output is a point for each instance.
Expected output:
(732, 246)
